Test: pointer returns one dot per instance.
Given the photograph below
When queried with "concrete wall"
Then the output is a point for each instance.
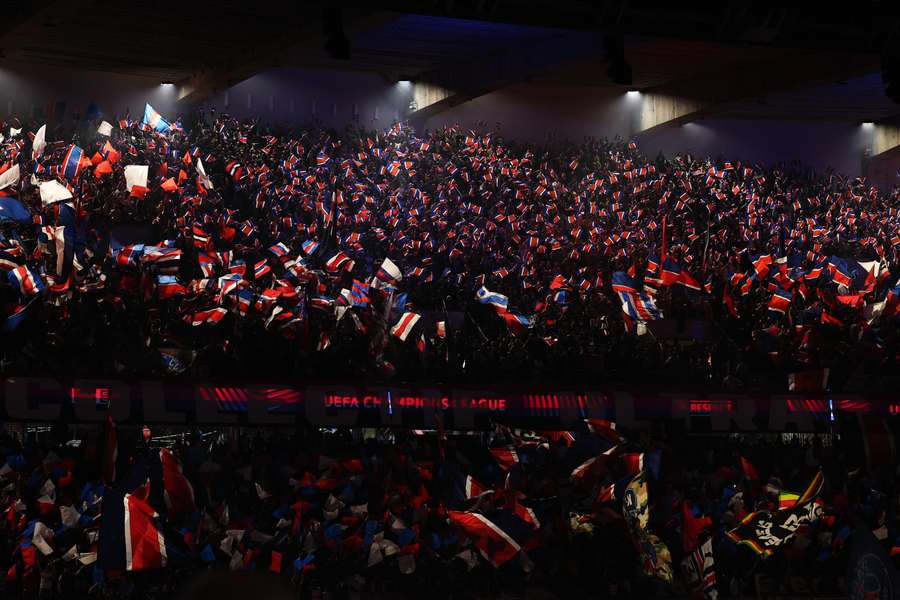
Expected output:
(25, 89)
(819, 144)
(538, 113)
(543, 112)
(526, 111)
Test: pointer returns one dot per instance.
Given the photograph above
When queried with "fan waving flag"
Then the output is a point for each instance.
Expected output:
(154, 121)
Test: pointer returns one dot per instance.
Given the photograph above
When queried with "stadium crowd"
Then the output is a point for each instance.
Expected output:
(235, 248)
(382, 514)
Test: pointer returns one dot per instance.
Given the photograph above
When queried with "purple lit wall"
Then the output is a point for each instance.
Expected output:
(24, 89)
(544, 112)
(537, 113)
(818, 144)
(333, 98)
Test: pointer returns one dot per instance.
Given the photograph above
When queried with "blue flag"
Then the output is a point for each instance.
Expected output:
(13, 210)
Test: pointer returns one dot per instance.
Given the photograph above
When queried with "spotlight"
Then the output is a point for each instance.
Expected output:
(890, 68)
(868, 124)
(633, 93)
(167, 82)
(336, 43)
(619, 71)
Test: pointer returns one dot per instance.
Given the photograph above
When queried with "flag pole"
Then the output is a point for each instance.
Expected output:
(662, 252)
(706, 247)
(477, 326)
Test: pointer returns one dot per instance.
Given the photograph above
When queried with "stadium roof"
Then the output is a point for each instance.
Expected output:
(737, 60)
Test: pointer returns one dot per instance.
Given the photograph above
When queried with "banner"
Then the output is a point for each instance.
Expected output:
(634, 502)
(764, 531)
(175, 401)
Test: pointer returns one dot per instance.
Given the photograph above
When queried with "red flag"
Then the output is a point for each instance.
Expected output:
(145, 546)
(178, 493)
(692, 527)
(474, 488)
(634, 463)
(505, 456)
(275, 563)
(662, 251)
(749, 470)
(493, 543)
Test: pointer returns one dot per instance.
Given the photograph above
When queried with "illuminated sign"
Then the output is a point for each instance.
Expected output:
(706, 407)
(148, 402)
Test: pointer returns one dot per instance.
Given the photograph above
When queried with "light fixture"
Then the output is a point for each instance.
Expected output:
(633, 93)
(868, 124)
(337, 45)
(167, 82)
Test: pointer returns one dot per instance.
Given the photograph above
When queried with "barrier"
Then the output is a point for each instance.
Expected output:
(341, 405)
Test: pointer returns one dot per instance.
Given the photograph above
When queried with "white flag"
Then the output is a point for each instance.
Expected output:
(42, 535)
(136, 175)
(204, 180)
(9, 177)
(38, 145)
(105, 129)
(53, 191)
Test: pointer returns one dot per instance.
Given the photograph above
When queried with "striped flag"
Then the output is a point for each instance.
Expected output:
(787, 499)
(405, 325)
(27, 281)
(495, 545)
(699, 570)
(338, 261)
(485, 296)
(177, 490)
(360, 293)
(72, 163)
(309, 246)
(389, 272)
(154, 121)
(145, 545)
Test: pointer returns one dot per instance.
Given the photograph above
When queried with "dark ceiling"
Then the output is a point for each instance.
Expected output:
(216, 44)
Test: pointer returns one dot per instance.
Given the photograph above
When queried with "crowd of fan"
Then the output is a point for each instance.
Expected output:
(369, 514)
(255, 236)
